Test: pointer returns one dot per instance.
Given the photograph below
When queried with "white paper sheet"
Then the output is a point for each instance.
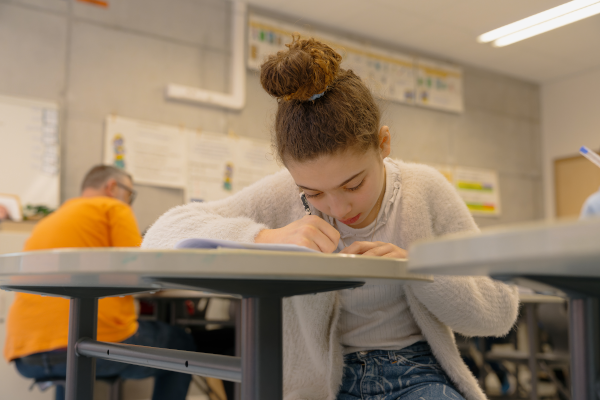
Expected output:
(154, 154)
(221, 165)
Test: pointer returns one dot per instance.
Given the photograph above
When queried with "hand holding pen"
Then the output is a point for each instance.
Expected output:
(309, 231)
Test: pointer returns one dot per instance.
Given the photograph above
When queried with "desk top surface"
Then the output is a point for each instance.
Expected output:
(540, 249)
(133, 267)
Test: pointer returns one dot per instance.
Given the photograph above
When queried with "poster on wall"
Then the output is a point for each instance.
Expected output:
(208, 166)
(154, 154)
(439, 86)
(391, 75)
(221, 165)
(479, 189)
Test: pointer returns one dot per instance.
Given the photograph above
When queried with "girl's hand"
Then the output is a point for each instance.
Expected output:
(310, 231)
(375, 249)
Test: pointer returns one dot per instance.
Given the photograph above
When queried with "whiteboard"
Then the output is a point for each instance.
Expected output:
(29, 151)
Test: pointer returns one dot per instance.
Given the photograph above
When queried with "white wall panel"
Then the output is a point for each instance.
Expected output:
(203, 23)
(32, 52)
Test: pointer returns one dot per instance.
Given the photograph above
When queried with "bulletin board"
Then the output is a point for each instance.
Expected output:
(30, 160)
(391, 75)
(208, 166)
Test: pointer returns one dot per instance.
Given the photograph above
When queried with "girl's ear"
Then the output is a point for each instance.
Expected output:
(385, 141)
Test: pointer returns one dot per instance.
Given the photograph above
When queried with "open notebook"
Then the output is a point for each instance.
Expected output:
(199, 243)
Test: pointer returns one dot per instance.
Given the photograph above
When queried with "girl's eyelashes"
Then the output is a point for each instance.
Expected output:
(356, 187)
(311, 196)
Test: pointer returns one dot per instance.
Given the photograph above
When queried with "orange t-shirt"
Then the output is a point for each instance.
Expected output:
(37, 324)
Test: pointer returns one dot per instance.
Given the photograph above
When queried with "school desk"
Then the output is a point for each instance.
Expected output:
(262, 278)
(545, 257)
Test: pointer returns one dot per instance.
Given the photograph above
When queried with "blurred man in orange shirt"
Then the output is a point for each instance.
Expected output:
(37, 327)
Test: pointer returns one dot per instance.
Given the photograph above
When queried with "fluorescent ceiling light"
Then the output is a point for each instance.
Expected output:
(549, 19)
(549, 25)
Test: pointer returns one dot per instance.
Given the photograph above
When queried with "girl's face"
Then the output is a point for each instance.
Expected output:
(346, 186)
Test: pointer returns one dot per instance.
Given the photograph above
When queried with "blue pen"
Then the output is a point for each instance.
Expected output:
(590, 155)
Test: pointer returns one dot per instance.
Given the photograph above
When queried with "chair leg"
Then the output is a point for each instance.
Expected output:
(114, 391)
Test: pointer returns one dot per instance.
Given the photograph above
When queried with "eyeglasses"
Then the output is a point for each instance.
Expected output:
(132, 192)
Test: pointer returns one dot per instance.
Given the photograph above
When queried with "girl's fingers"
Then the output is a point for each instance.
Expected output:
(359, 247)
(305, 242)
(324, 242)
(325, 228)
(380, 251)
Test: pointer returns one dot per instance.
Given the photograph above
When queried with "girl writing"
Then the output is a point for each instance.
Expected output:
(377, 341)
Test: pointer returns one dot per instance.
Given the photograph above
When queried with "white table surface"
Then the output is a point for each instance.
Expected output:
(134, 267)
(564, 248)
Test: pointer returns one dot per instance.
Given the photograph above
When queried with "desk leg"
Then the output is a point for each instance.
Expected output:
(237, 388)
(262, 348)
(81, 371)
(532, 333)
(583, 338)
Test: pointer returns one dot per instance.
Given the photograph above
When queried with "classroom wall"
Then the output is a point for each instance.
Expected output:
(570, 119)
(96, 61)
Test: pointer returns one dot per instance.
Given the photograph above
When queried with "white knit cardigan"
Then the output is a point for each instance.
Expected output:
(313, 361)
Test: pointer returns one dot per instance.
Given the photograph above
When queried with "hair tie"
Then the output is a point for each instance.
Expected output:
(316, 96)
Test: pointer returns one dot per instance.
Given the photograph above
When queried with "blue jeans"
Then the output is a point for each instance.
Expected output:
(167, 384)
(412, 373)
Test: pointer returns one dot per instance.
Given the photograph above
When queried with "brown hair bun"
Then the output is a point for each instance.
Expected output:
(300, 72)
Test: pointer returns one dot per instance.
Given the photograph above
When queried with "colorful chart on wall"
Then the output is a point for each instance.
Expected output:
(30, 160)
(477, 187)
(391, 75)
(439, 86)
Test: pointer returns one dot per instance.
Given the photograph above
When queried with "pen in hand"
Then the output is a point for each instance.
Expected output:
(307, 211)
(305, 203)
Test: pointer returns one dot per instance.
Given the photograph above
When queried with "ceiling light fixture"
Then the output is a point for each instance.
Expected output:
(543, 22)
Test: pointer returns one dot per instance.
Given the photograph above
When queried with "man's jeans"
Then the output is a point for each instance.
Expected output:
(408, 374)
(167, 385)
